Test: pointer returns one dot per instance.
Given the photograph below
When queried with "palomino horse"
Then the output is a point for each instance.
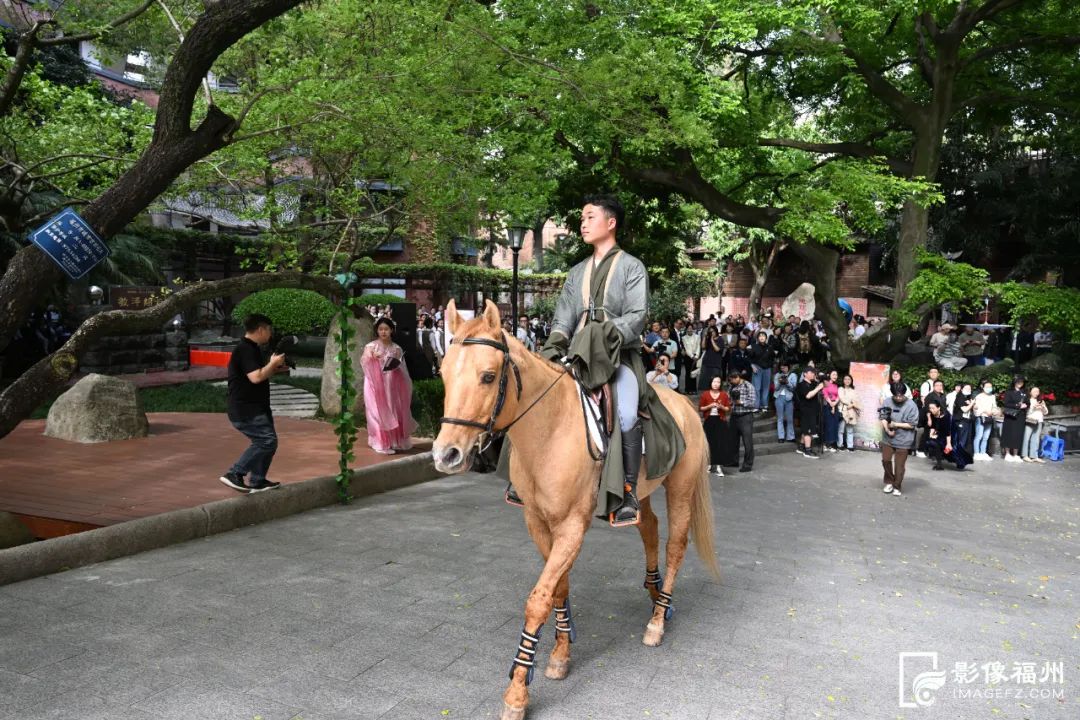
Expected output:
(494, 384)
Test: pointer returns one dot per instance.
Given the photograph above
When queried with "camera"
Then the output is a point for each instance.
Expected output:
(885, 413)
(285, 345)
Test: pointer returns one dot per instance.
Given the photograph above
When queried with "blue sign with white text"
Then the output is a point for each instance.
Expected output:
(71, 243)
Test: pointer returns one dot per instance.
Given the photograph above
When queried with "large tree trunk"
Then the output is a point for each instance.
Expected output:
(822, 263)
(175, 147)
(762, 266)
(48, 375)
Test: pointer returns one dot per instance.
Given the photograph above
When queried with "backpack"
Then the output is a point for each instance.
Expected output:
(804, 343)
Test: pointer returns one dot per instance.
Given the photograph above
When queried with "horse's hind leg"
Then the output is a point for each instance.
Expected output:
(649, 527)
(678, 539)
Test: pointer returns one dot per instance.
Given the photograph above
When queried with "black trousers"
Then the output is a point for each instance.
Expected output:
(743, 425)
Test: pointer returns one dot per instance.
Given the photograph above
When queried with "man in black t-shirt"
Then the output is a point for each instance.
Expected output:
(249, 406)
(809, 406)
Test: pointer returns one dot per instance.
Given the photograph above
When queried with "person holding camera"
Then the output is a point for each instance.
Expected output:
(899, 416)
(662, 375)
(743, 405)
(785, 403)
(809, 404)
(249, 405)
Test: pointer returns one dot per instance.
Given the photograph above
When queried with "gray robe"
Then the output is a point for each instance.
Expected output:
(614, 293)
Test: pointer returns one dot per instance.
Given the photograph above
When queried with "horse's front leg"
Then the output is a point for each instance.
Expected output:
(565, 541)
(565, 633)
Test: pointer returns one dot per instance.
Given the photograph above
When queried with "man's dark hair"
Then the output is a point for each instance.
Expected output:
(897, 389)
(734, 374)
(255, 321)
(662, 356)
(610, 205)
(429, 322)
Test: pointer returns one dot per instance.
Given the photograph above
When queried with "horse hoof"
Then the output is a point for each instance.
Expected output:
(653, 636)
(512, 713)
(557, 669)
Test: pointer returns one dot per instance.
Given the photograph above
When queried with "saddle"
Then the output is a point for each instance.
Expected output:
(598, 408)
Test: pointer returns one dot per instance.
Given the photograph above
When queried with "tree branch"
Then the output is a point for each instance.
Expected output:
(50, 373)
(1053, 40)
(112, 25)
(15, 74)
(852, 149)
(925, 25)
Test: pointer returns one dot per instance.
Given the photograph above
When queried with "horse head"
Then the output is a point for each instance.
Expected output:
(480, 394)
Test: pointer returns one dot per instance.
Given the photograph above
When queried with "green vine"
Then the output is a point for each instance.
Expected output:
(345, 422)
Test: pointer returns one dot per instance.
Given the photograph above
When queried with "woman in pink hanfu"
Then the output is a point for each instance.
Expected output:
(387, 393)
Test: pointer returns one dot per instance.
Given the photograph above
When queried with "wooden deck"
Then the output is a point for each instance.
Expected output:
(58, 487)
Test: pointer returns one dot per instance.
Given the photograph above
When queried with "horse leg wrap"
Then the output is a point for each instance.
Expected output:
(652, 577)
(664, 601)
(564, 622)
(527, 646)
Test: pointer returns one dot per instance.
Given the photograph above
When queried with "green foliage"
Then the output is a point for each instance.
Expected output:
(346, 423)
(940, 281)
(668, 303)
(201, 397)
(293, 311)
(1060, 383)
(378, 299)
(1056, 308)
(454, 278)
(427, 406)
(544, 306)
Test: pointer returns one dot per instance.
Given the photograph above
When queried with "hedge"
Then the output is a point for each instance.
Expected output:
(379, 299)
(292, 311)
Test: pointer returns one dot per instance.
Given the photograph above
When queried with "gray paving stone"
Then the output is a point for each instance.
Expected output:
(409, 603)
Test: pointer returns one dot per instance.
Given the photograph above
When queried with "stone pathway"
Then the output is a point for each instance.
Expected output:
(408, 605)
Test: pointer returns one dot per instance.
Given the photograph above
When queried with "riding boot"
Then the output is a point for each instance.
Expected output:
(629, 513)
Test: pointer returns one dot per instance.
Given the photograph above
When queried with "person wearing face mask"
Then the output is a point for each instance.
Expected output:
(962, 416)
(984, 411)
(1015, 408)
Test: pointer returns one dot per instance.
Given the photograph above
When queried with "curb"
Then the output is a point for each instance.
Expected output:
(108, 543)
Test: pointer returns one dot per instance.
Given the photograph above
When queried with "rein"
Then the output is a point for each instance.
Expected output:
(489, 432)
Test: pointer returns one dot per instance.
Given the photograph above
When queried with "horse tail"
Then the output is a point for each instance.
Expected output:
(701, 517)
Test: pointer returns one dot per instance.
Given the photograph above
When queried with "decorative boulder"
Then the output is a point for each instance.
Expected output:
(99, 408)
(364, 330)
(1046, 361)
(800, 303)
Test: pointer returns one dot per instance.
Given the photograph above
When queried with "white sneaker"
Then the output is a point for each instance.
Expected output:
(888, 489)
(896, 492)
(919, 453)
(987, 457)
(719, 471)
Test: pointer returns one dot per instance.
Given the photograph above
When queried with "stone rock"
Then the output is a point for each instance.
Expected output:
(1046, 361)
(800, 302)
(13, 532)
(99, 408)
(331, 383)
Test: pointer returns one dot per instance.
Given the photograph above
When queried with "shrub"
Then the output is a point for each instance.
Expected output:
(379, 299)
(292, 311)
(427, 406)
(1060, 383)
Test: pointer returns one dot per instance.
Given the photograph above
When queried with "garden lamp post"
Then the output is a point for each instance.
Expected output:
(516, 235)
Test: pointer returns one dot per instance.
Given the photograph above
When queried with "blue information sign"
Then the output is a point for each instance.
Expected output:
(71, 243)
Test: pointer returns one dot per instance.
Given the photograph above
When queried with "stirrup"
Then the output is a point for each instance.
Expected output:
(629, 500)
(511, 496)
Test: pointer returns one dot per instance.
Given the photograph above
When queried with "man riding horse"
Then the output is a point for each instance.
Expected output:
(598, 321)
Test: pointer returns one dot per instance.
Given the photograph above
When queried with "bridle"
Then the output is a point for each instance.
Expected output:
(489, 432)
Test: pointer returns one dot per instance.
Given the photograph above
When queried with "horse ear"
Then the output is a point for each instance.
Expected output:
(491, 316)
(453, 320)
